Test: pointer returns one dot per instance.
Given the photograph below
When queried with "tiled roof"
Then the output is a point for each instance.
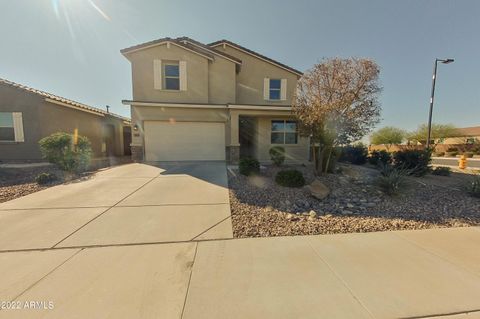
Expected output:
(61, 99)
(164, 40)
(216, 43)
(469, 131)
(208, 48)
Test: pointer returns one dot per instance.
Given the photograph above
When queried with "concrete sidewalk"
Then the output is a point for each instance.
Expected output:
(408, 274)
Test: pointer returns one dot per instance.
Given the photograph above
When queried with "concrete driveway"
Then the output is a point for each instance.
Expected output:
(159, 246)
(129, 204)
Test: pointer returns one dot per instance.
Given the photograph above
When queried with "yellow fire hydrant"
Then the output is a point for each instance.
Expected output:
(462, 162)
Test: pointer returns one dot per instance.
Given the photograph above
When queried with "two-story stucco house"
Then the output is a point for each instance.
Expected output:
(219, 101)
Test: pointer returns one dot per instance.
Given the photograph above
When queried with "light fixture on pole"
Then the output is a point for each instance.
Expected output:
(444, 61)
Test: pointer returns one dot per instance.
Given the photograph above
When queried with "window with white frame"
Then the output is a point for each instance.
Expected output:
(171, 75)
(275, 89)
(7, 130)
(284, 132)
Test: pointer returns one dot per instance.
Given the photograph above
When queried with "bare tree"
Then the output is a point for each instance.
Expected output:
(336, 103)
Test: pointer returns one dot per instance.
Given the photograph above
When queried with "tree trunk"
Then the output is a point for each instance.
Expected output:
(328, 159)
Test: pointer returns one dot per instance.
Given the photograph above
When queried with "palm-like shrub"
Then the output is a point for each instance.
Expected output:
(60, 149)
(392, 180)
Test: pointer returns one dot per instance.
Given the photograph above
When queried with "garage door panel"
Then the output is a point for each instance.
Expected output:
(184, 141)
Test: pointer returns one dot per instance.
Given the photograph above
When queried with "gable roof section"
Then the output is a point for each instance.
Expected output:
(209, 49)
(255, 54)
(162, 41)
(61, 100)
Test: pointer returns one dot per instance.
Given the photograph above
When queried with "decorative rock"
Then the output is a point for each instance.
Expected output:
(346, 212)
(350, 205)
(318, 189)
(312, 213)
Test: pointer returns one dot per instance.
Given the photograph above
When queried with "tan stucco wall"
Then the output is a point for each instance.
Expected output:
(41, 118)
(294, 153)
(460, 140)
(221, 81)
(157, 113)
(207, 81)
(143, 75)
(250, 79)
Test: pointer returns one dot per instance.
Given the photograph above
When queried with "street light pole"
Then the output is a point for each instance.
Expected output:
(434, 77)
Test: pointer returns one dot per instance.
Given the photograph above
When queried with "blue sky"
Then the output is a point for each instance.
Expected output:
(71, 47)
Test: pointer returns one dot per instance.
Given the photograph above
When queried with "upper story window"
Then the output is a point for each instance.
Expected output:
(275, 89)
(171, 75)
(7, 131)
(284, 132)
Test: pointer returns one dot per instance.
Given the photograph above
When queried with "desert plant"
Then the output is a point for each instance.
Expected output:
(472, 187)
(61, 149)
(452, 149)
(439, 154)
(468, 154)
(290, 178)
(417, 162)
(377, 157)
(441, 171)
(45, 178)
(355, 154)
(392, 180)
(248, 166)
(277, 155)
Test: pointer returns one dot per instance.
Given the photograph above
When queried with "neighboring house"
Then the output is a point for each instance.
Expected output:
(27, 115)
(219, 101)
(466, 135)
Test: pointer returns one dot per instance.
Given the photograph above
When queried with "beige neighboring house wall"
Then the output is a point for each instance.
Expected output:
(224, 84)
(42, 115)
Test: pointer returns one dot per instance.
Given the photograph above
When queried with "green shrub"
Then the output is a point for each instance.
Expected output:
(417, 162)
(355, 154)
(441, 171)
(45, 178)
(439, 154)
(59, 149)
(452, 149)
(451, 154)
(249, 166)
(380, 157)
(392, 180)
(290, 178)
(472, 187)
(468, 154)
(476, 150)
(277, 154)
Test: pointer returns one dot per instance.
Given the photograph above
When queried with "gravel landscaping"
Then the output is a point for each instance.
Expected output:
(261, 208)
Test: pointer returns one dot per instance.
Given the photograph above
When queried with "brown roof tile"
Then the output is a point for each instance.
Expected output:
(216, 43)
(60, 99)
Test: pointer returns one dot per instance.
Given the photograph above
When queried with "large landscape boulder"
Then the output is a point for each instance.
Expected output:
(318, 189)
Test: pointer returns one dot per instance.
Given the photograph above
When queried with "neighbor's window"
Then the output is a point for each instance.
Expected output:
(7, 132)
(171, 76)
(275, 89)
(284, 132)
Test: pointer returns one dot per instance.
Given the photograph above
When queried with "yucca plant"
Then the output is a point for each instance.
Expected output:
(392, 180)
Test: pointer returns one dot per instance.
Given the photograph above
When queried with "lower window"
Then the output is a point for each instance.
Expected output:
(284, 132)
(7, 132)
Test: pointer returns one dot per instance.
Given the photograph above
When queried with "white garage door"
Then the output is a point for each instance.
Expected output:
(184, 141)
